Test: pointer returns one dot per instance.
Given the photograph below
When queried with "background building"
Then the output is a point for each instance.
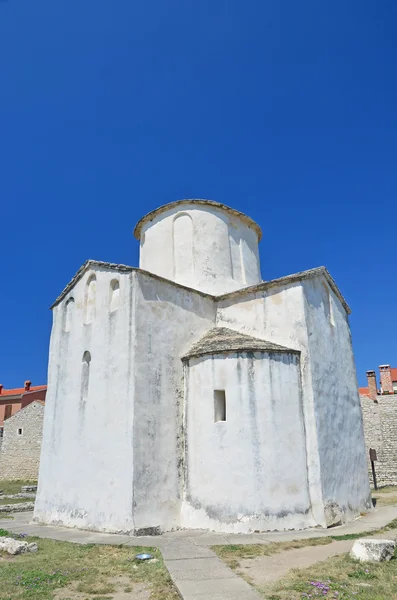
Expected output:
(11, 401)
(379, 407)
(21, 444)
(388, 382)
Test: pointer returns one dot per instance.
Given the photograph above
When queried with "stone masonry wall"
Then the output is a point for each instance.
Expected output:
(380, 430)
(20, 452)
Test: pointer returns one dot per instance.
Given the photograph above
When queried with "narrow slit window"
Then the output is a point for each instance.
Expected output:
(68, 315)
(85, 375)
(114, 295)
(219, 405)
(20, 431)
(90, 300)
(331, 310)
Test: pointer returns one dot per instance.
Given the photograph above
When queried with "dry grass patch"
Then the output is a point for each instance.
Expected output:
(14, 487)
(386, 495)
(233, 554)
(384, 500)
(338, 577)
(387, 489)
(83, 572)
(4, 501)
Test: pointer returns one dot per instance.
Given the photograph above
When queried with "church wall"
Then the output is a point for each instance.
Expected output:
(249, 471)
(204, 248)
(169, 319)
(86, 477)
(278, 314)
(338, 415)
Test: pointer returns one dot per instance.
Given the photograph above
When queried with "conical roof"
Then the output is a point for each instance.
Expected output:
(220, 340)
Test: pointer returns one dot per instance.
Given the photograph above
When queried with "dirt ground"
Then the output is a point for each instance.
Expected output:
(123, 590)
(264, 570)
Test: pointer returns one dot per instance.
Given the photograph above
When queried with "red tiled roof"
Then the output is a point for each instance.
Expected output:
(19, 391)
(363, 391)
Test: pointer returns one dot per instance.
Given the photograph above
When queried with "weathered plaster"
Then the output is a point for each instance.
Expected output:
(249, 472)
(340, 435)
(202, 246)
(170, 321)
(90, 435)
(179, 205)
(130, 443)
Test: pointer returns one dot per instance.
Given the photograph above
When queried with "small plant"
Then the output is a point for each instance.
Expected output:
(41, 581)
(362, 574)
(328, 589)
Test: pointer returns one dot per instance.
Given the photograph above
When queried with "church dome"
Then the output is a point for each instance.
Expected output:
(202, 244)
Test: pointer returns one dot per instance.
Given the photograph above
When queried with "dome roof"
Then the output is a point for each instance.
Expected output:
(232, 211)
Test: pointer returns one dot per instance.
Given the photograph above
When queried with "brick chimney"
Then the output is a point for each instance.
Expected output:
(1, 388)
(371, 378)
(385, 379)
(27, 385)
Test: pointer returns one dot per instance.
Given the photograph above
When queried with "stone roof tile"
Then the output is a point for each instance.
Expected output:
(220, 340)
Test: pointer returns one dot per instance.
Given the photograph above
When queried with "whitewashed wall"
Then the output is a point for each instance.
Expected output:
(340, 431)
(86, 470)
(169, 321)
(250, 471)
(298, 315)
(205, 248)
(278, 314)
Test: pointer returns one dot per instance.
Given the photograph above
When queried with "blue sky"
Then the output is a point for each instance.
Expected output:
(285, 110)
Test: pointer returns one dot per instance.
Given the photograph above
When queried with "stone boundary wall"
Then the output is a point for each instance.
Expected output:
(20, 452)
(380, 430)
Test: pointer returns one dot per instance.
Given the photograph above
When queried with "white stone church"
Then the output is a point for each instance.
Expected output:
(190, 393)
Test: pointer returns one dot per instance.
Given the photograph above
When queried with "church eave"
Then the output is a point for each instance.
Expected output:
(91, 264)
(286, 280)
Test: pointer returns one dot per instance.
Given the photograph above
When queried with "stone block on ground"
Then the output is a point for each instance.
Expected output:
(28, 488)
(12, 546)
(333, 514)
(373, 550)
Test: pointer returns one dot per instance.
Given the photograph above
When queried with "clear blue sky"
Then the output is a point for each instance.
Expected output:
(285, 110)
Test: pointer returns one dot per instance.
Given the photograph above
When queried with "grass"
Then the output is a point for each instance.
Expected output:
(4, 501)
(14, 487)
(386, 495)
(232, 554)
(89, 569)
(338, 577)
(385, 490)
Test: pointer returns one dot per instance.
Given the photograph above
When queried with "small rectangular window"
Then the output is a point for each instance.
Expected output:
(7, 411)
(19, 431)
(219, 405)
